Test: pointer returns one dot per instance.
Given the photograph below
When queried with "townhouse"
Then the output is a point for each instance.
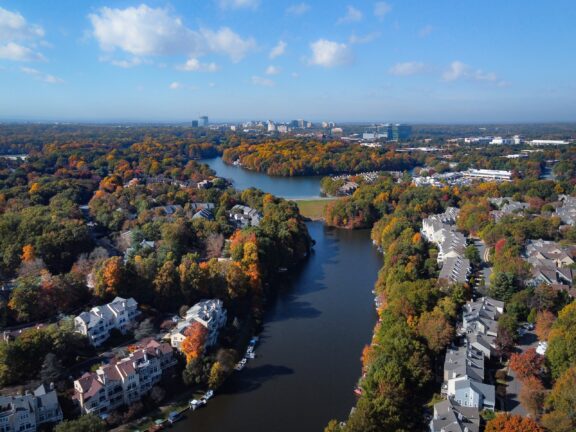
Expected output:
(25, 413)
(210, 313)
(97, 323)
(243, 216)
(124, 381)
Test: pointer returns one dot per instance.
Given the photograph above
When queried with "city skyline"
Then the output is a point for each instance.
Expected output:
(236, 60)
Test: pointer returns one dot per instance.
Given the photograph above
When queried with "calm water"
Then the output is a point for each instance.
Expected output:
(308, 360)
(285, 187)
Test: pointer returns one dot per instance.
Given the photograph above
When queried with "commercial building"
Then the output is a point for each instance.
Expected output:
(204, 121)
(542, 142)
(488, 174)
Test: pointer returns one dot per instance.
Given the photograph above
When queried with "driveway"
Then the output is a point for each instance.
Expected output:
(529, 340)
(486, 268)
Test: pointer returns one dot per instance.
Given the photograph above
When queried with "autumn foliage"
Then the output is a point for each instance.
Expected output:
(527, 364)
(512, 423)
(193, 345)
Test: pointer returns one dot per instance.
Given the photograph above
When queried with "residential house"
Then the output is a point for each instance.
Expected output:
(464, 361)
(205, 214)
(210, 313)
(96, 324)
(567, 211)
(27, 412)
(469, 393)
(550, 262)
(455, 270)
(480, 323)
(243, 216)
(124, 381)
(506, 206)
(451, 417)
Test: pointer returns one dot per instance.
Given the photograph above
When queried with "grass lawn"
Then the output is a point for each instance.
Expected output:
(313, 209)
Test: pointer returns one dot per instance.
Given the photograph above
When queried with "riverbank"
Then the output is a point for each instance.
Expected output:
(313, 209)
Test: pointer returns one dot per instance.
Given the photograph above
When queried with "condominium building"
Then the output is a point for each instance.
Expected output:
(124, 381)
(210, 313)
(96, 324)
(27, 412)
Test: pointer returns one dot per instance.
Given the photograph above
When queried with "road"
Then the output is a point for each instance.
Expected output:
(486, 271)
(528, 340)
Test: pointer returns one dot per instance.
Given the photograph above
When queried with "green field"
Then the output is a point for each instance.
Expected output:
(313, 209)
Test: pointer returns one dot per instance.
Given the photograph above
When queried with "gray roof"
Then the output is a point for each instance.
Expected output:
(455, 269)
(464, 361)
(451, 417)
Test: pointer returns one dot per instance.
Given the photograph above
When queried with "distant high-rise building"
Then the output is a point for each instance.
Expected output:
(204, 120)
(301, 124)
(271, 126)
(400, 132)
(194, 123)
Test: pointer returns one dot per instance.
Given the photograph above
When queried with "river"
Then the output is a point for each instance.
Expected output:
(285, 187)
(308, 358)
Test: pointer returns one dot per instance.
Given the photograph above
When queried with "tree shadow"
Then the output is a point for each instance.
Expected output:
(252, 378)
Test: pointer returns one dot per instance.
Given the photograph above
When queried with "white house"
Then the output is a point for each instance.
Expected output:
(96, 324)
(210, 313)
(25, 413)
(470, 393)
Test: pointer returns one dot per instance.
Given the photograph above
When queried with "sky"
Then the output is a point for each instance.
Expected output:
(414, 61)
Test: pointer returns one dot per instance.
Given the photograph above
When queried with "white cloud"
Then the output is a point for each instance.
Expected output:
(328, 53)
(40, 76)
(18, 38)
(381, 9)
(298, 9)
(225, 41)
(16, 52)
(125, 63)
(175, 85)
(145, 31)
(295, 75)
(426, 31)
(458, 70)
(272, 70)
(407, 68)
(264, 82)
(238, 4)
(367, 38)
(13, 26)
(352, 15)
(278, 50)
(194, 65)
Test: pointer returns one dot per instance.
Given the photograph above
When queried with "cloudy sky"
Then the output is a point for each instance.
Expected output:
(403, 60)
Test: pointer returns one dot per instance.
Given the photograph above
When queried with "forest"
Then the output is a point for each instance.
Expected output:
(300, 157)
(94, 213)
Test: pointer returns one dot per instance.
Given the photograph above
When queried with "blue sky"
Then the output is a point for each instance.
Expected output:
(405, 60)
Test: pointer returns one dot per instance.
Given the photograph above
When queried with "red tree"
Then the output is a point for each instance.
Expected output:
(527, 364)
(512, 423)
(193, 345)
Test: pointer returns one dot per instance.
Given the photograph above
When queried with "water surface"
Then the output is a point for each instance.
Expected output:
(308, 360)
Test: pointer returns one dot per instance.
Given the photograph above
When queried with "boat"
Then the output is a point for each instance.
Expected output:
(250, 354)
(254, 341)
(358, 391)
(196, 403)
(240, 365)
(173, 417)
(207, 395)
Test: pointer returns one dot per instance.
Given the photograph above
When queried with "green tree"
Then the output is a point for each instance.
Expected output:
(85, 423)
